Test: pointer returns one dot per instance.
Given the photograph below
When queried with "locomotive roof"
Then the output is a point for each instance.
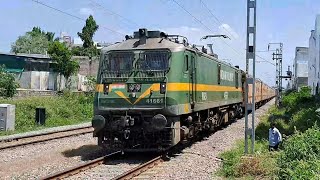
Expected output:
(143, 40)
(150, 43)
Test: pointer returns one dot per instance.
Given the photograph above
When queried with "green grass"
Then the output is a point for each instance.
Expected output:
(61, 110)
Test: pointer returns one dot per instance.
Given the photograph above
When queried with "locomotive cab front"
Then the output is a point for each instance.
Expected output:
(131, 97)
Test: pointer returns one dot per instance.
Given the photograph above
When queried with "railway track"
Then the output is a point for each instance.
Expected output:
(82, 167)
(140, 169)
(96, 162)
(37, 138)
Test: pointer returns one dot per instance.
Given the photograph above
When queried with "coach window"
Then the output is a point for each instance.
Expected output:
(219, 73)
(237, 79)
(186, 63)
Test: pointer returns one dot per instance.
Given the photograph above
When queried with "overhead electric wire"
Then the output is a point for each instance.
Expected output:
(217, 19)
(74, 16)
(192, 15)
(203, 24)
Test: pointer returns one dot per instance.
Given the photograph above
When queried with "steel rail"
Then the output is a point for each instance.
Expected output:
(81, 167)
(82, 131)
(140, 169)
(41, 134)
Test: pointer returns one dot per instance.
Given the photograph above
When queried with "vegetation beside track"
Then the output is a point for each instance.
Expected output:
(299, 154)
(65, 109)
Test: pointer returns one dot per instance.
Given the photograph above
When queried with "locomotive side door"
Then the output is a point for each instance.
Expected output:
(190, 77)
(192, 80)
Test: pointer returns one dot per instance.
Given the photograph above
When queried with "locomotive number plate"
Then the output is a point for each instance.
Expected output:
(154, 100)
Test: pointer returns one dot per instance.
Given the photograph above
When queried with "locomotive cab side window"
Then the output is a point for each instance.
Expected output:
(186, 63)
(237, 79)
(219, 73)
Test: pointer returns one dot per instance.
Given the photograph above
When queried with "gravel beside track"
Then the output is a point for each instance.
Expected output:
(38, 160)
(200, 160)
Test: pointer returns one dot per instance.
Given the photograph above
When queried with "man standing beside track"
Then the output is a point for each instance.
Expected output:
(274, 137)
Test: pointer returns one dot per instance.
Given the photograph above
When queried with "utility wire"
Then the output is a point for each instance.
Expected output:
(74, 16)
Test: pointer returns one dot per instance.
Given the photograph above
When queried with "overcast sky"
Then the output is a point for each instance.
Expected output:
(287, 21)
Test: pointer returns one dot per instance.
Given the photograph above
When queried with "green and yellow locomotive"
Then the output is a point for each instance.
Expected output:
(155, 90)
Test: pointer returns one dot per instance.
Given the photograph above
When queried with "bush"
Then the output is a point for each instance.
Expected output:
(293, 100)
(300, 158)
(298, 112)
(8, 85)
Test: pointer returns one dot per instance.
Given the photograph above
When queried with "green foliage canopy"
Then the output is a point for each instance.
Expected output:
(35, 41)
(86, 36)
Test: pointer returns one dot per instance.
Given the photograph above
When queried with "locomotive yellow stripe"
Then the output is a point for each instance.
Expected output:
(200, 87)
(171, 87)
(182, 87)
(154, 87)
(99, 87)
(119, 93)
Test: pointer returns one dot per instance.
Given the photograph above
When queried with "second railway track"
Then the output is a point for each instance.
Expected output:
(37, 138)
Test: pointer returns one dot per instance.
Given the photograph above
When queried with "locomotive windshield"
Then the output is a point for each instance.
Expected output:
(118, 62)
(154, 61)
(124, 62)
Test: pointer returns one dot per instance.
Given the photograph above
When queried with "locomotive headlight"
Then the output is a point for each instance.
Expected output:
(134, 87)
(106, 88)
(163, 87)
(137, 87)
(131, 87)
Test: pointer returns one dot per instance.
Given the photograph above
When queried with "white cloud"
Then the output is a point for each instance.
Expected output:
(226, 29)
(86, 11)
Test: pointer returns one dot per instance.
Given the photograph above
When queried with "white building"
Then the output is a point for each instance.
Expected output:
(314, 52)
(64, 37)
(300, 68)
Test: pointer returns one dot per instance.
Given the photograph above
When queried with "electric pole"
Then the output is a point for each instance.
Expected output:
(278, 58)
(250, 54)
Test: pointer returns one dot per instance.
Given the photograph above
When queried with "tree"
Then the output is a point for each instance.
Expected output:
(62, 56)
(86, 36)
(36, 31)
(78, 51)
(8, 85)
(35, 41)
(50, 36)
